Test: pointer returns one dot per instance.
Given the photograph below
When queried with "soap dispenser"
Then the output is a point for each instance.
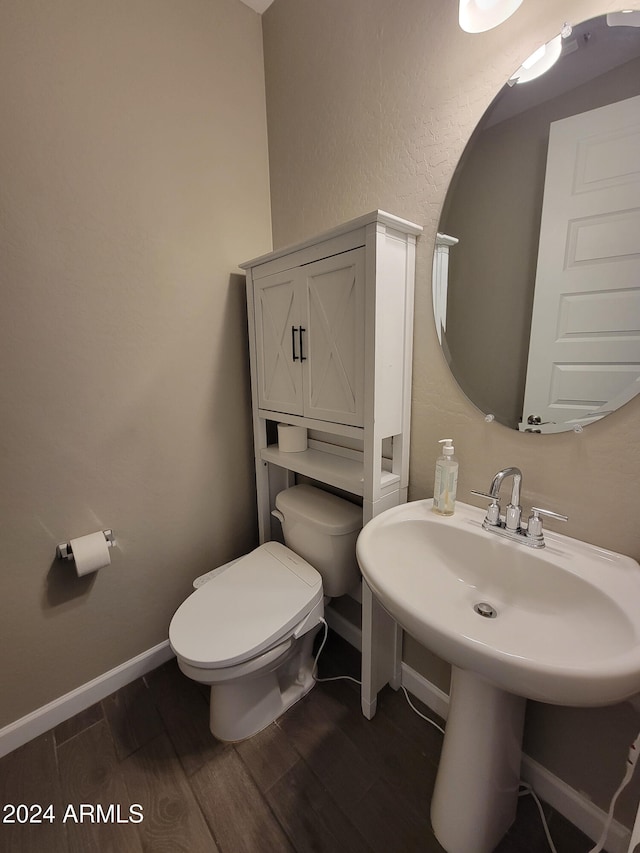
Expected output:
(446, 480)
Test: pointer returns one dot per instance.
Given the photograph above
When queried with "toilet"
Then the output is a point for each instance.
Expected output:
(248, 631)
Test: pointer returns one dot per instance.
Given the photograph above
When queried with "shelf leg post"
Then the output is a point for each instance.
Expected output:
(381, 651)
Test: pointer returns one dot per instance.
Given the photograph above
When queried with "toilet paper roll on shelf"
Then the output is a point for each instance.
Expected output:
(291, 439)
(90, 552)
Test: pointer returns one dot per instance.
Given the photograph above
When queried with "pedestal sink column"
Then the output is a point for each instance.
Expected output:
(476, 792)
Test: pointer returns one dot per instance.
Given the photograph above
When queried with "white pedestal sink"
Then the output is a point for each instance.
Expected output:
(559, 624)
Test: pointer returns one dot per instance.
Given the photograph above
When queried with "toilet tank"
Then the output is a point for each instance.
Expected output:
(322, 528)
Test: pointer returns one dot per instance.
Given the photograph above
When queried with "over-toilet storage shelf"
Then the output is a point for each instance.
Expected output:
(330, 346)
(343, 470)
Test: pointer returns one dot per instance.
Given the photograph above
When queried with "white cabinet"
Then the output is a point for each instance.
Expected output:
(330, 344)
(309, 326)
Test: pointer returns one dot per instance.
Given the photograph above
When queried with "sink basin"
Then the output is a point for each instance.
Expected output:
(566, 628)
(559, 624)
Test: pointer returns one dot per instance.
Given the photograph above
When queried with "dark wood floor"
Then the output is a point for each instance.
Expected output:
(322, 778)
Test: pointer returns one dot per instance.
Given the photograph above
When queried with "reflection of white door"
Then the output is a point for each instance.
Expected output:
(585, 333)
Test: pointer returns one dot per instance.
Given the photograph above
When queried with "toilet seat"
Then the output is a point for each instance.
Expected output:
(246, 609)
(252, 668)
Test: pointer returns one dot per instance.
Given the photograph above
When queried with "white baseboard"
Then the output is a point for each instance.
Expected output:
(424, 690)
(42, 719)
(574, 806)
(347, 630)
(577, 809)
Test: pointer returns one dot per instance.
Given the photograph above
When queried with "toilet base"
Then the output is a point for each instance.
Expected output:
(240, 709)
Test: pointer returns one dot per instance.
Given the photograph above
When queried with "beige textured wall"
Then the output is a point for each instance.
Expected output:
(370, 104)
(134, 179)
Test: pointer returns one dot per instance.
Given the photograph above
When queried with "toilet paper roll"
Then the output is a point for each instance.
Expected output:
(90, 553)
(291, 439)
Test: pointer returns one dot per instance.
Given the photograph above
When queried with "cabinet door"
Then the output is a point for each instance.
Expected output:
(279, 368)
(333, 338)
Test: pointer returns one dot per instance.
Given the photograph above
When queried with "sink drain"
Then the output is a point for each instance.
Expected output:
(486, 610)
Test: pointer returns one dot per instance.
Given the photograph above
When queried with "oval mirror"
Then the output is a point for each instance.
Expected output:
(536, 274)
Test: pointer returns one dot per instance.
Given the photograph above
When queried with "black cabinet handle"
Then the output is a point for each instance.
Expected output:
(293, 343)
(302, 357)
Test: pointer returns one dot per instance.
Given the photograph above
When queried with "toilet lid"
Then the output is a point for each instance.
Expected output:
(246, 609)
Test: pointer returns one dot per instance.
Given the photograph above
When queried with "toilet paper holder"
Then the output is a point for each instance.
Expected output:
(64, 551)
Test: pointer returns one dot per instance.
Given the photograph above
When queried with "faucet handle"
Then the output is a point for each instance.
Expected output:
(549, 513)
(493, 511)
(534, 525)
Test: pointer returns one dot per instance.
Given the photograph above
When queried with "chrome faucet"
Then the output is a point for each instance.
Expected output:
(514, 510)
(509, 525)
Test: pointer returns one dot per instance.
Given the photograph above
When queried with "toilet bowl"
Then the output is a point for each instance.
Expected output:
(248, 631)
